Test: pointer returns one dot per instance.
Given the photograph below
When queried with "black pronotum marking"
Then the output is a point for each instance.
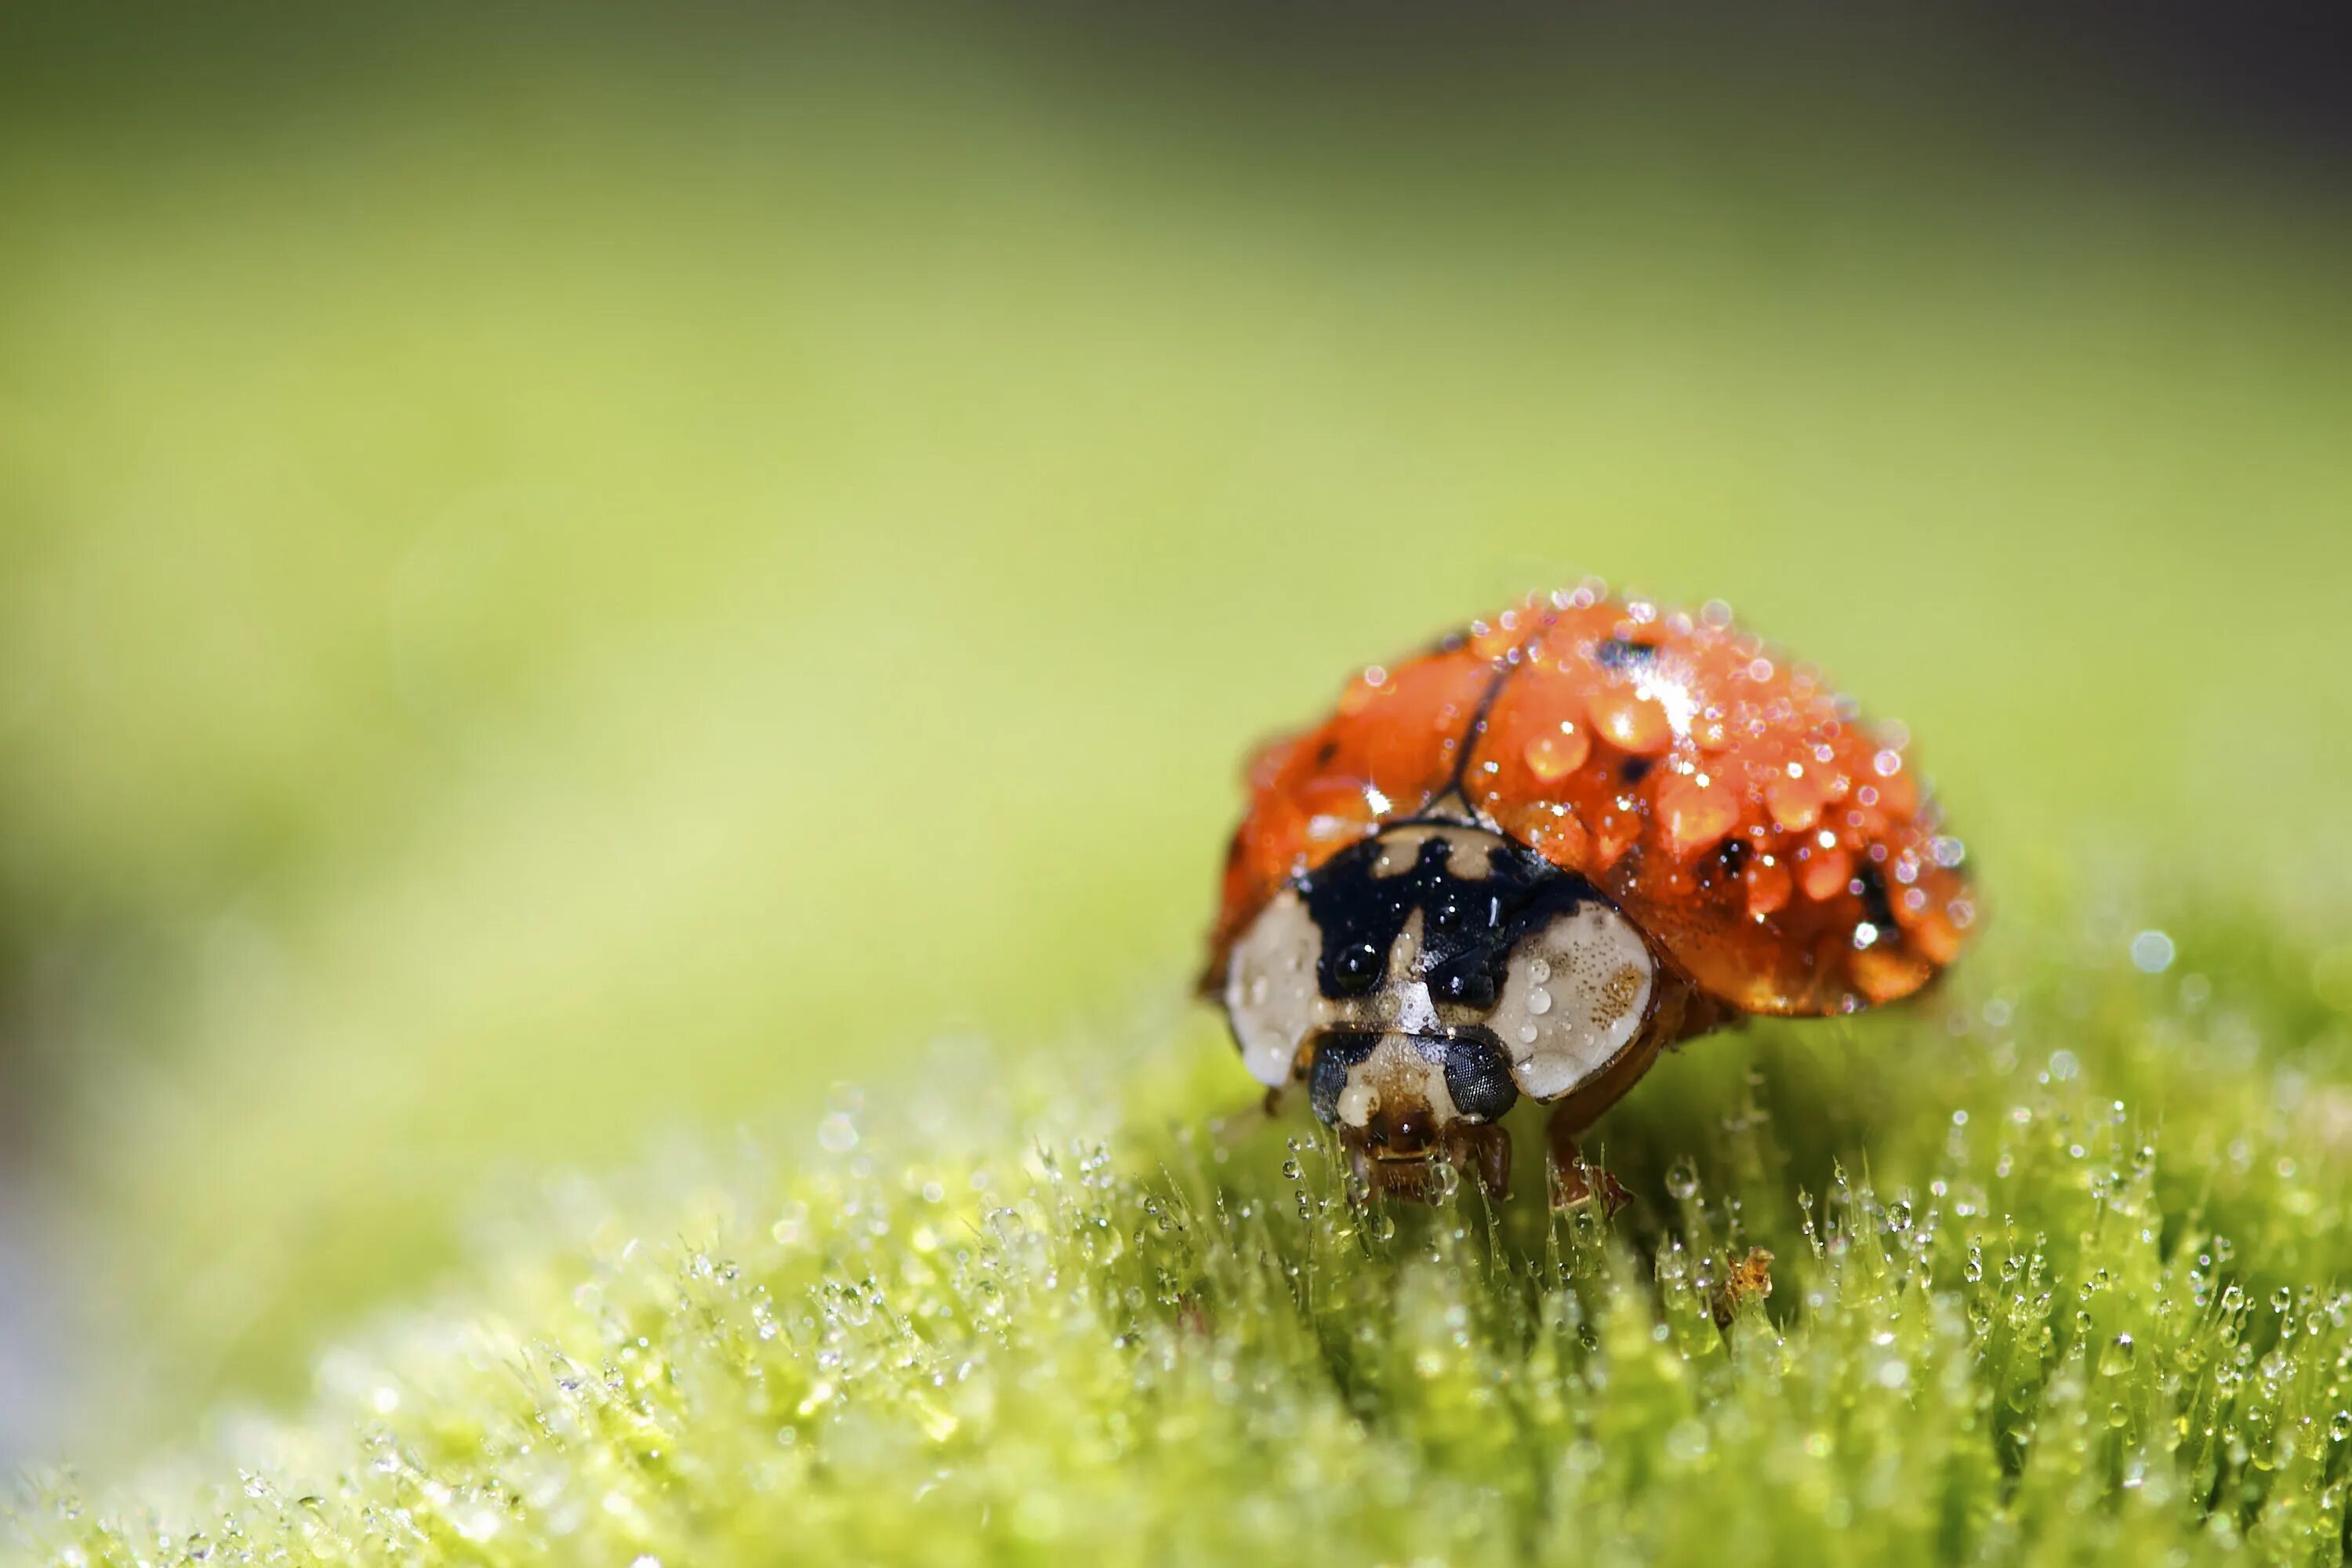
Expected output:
(1469, 925)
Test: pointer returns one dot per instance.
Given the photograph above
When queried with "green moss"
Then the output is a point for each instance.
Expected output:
(2054, 1277)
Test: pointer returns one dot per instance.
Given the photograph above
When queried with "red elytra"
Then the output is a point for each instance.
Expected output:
(1780, 852)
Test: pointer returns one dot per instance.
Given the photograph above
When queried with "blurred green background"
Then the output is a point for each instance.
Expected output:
(567, 576)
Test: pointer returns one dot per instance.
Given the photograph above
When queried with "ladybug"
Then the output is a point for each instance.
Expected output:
(1561, 840)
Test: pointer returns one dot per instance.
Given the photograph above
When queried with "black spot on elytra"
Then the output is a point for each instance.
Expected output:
(1623, 653)
(1635, 770)
(1875, 906)
(1469, 924)
(1326, 751)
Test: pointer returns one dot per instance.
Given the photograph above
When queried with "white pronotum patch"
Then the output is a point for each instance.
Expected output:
(1270, 989)
(1276, 1002)
(1575, 994)
(1467, 850)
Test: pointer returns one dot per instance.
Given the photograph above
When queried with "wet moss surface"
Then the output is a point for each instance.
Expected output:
(2047, 1267)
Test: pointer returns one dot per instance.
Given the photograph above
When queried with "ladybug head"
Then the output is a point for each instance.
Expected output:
(1424, 978)
(1397, 1096)
(1406, 1106)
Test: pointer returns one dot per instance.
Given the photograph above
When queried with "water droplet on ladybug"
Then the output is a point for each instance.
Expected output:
(1356, 966)
(1555, 754)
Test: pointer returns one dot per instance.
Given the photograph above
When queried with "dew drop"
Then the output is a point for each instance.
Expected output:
(1552, 755)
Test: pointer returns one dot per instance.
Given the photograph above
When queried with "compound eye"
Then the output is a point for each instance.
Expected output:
(1479, 1078)
(1271, 993)
(1574, 995)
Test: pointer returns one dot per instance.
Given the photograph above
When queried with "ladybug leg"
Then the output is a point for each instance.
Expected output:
(1680, 1011)
(1575, 1183)
(1239, 1126)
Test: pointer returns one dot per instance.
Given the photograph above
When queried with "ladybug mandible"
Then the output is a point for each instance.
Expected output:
(1561, 840)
